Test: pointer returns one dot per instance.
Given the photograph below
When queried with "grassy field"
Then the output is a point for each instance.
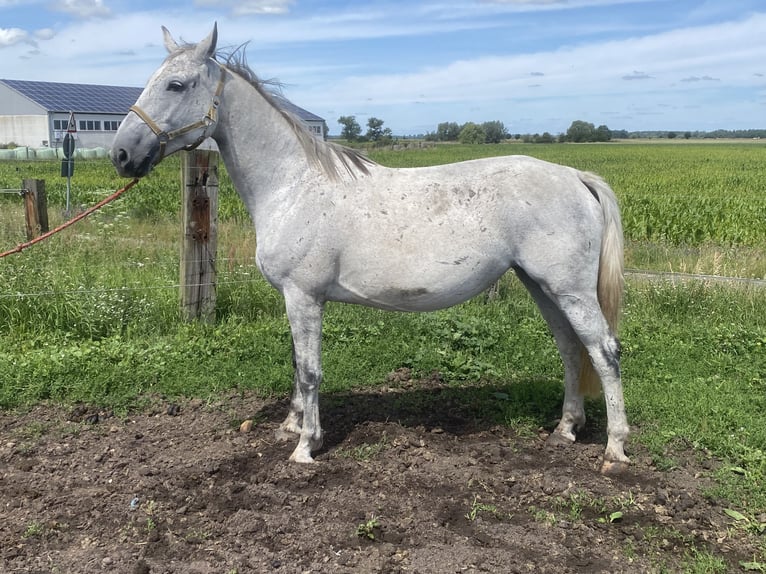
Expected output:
(92, 314)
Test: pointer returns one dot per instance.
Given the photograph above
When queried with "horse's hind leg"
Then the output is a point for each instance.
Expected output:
(587, 320)
(573, 411)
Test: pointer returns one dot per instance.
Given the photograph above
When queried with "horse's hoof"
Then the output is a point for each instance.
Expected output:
(558, 440)
(614, 467)
(301, 457)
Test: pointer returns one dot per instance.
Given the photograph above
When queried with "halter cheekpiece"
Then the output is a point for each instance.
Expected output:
(207, 122)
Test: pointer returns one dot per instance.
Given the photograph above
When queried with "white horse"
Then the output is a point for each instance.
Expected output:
(335, 226)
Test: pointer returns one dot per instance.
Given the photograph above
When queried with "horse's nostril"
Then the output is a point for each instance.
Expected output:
(122, 156)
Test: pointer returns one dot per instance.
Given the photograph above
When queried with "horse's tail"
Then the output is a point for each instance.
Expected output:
(610, 272)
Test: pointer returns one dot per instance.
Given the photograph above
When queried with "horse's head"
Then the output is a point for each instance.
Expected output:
(177, 110)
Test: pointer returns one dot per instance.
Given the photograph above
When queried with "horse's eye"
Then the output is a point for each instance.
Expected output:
(175, 86)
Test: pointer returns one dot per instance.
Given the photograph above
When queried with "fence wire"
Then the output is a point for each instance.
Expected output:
(665, 276)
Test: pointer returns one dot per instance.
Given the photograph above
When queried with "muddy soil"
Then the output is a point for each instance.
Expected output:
(409, 480)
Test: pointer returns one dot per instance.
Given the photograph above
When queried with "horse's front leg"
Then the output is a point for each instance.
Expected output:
(292, 424)
(305, 316)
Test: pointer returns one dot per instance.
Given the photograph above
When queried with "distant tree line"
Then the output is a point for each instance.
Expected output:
(472, 133)
(716, 134)
(495, 132)
(376, 133)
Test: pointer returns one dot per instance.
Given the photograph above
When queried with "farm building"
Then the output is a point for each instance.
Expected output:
(36, 114)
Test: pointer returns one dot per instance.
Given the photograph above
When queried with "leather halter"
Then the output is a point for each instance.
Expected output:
(208, 122)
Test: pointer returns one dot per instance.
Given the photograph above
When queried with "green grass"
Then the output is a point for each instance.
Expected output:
(92, 314)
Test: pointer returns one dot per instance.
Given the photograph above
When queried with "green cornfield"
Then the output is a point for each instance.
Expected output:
(675, 194)
(680, 194)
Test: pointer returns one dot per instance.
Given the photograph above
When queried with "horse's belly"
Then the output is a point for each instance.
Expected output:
(418, 286)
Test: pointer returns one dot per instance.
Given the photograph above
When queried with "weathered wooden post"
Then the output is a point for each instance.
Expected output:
(200, 239)
(35, 207)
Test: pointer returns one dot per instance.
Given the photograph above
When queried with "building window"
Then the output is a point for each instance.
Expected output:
(90, 125)
(60, 124)
(110, 126)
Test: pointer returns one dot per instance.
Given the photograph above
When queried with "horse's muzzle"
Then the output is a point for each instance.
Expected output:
(129, 166)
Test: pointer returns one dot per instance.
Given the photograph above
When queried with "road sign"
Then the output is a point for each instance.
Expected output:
(68, 145)
(71, 126)
(67, 170)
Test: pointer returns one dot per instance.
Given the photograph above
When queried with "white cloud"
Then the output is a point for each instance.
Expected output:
(636, 75)
(262, 7)
(82, 8)
(530, 5)
(11, 36)
(45, 33)
(584, 81)
(701, 79)
(249, 7)
(730, 50)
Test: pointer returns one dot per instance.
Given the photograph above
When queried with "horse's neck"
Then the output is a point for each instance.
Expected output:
(262, 154)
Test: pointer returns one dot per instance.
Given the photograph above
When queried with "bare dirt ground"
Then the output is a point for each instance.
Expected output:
(409, 480)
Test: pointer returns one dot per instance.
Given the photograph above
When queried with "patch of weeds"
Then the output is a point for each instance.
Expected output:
(608, 510)
(543, 516)
(369, 529)
(29, 435)
(574, 504)
(150, 524)
(150, 509)
(662, 539)
(195, 536)
(524, 427)
(611, 518)
(33, 431)
(465, 340)
(701, 561)
(364, 451)
(747, 523)
(622, 502)
(33, 530)
(753, 565)
(477, 507)
(630, 550)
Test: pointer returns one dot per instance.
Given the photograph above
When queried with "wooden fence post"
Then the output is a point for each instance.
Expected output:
(199, 174)
(35, 207)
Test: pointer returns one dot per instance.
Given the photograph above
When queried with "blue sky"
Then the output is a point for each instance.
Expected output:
(535, 65)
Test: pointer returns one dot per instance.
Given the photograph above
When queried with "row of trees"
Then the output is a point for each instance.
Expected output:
(472, 133)
(495, 132)
(488, 132)
(376, 133)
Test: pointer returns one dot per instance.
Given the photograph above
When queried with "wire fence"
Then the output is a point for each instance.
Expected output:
(255, 277)
(677, 277)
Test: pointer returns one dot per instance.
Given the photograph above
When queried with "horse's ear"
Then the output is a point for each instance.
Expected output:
(206, 48)
(170, 44)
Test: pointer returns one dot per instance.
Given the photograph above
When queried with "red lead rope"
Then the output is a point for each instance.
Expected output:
(72, 221)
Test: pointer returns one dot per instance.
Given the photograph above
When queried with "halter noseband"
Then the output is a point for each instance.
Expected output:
(207, 122)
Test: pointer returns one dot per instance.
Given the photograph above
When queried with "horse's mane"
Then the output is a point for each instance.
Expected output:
(328, 156)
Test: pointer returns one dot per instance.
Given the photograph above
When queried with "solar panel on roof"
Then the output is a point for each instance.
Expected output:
(83, 98)
(92, 98)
